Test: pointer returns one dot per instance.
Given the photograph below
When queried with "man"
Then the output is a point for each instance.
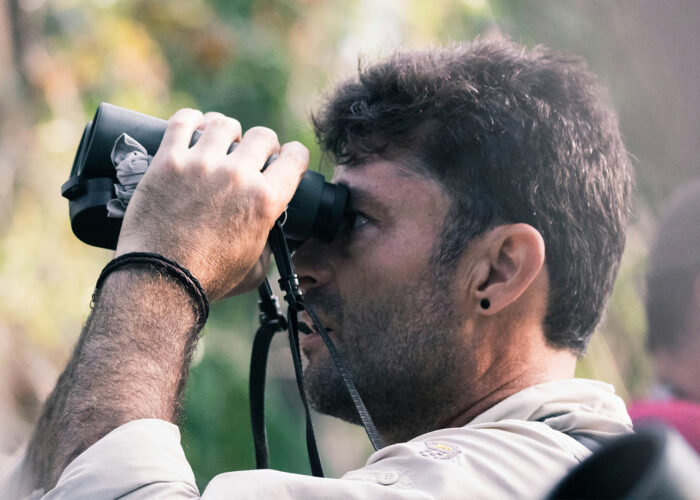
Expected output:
(673, 313)
(490, 189)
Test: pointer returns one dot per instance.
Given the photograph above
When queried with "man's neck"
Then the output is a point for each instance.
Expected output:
(498, 384)
(470, 410)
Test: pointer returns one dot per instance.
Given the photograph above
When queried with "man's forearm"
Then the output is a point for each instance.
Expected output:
(131, 362)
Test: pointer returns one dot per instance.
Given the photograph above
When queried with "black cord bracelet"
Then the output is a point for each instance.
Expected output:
(194, 288)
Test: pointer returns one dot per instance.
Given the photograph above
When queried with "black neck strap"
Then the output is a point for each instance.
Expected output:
(272, 322)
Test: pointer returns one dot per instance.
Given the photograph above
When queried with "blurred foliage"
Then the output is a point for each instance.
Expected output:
(266, 62)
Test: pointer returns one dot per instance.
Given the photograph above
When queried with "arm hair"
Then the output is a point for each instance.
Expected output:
(130, 362)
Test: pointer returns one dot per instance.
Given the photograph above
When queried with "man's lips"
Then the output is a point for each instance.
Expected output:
(310, 341)
(311, 337)
(310, 328)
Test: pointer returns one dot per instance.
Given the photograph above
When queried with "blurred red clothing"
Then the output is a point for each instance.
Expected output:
(684, 416)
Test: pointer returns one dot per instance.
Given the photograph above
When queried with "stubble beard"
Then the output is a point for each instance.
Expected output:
(401, 344)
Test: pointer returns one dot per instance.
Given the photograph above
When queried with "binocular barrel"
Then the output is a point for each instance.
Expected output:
(316, 210)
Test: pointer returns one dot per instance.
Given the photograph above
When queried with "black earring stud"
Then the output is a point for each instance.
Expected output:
(485, 303)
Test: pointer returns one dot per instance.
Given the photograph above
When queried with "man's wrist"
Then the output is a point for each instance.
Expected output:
(165, 268)
(147, 302)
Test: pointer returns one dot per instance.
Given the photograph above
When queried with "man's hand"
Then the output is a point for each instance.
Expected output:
(208, 210)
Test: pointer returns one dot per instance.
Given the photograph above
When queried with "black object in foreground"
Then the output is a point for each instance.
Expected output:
(653, 463)
(316, 210)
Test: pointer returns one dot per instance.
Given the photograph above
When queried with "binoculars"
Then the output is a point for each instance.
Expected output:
(316, 210)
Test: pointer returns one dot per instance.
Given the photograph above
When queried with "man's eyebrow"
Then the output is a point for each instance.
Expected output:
(361, 198)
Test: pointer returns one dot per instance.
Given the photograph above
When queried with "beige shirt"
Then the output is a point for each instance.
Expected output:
(519, 448)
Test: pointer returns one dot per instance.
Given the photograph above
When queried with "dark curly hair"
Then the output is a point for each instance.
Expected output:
(513, 135)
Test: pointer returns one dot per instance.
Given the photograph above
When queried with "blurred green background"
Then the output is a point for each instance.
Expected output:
(266, 62)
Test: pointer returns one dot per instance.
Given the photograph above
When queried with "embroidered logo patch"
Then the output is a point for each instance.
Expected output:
(440, 451)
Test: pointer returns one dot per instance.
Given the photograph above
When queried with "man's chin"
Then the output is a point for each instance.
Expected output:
(325, 388)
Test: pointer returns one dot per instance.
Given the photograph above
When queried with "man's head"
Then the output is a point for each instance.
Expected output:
(673, 297)
(504, 178)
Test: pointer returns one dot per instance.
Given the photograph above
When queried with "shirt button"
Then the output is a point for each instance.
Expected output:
(387, 478)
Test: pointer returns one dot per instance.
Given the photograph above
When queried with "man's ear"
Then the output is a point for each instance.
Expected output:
(511, 257)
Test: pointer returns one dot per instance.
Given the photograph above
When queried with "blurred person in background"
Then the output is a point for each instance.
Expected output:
(490, 190)
(673, 314)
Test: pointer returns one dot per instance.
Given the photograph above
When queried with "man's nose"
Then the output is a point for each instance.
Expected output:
(312, 265)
